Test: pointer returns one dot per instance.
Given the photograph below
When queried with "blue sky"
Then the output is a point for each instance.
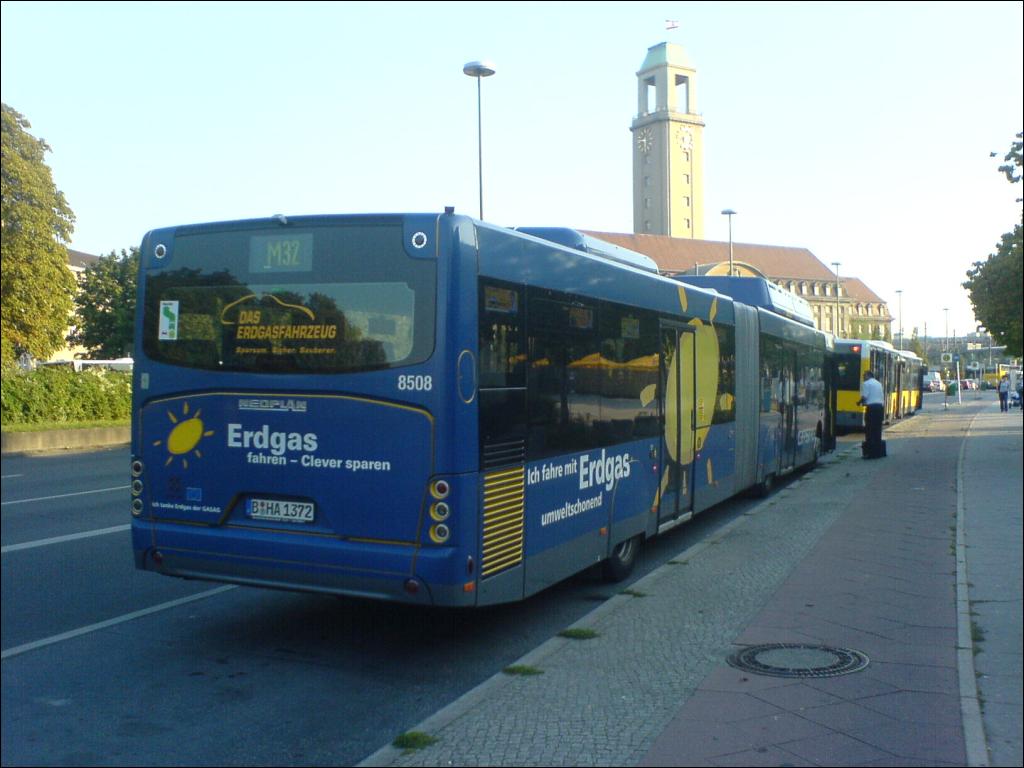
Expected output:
(859, 130)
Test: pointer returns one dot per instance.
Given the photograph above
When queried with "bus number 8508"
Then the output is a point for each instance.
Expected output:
(413, 383)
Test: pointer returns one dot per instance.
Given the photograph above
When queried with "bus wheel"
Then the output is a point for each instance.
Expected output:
(623, 558)
(765, 487)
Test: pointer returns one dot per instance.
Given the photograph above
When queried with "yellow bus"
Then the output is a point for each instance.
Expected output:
(853, 357)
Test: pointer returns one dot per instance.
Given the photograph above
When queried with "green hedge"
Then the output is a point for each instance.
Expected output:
(58, 394)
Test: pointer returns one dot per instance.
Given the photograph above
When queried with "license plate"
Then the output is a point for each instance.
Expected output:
(281, 511)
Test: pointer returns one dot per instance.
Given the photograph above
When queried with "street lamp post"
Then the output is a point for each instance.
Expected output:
(899, 294)
(730, 213)
(479, 69)
(945, 341)
(836, 328)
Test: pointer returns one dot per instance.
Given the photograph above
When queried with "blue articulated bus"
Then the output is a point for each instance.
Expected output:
(431, 409)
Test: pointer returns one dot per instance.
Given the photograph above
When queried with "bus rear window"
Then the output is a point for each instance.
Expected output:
(321, 299)
(848, 372)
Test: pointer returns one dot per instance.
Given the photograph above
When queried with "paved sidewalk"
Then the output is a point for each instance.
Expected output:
(992, 489)
(857, 555)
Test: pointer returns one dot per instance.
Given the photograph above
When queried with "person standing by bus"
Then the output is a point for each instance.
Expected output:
(1004, 394)
(872, 396)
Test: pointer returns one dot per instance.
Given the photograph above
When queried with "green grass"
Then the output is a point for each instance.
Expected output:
(977, 633)
(413, 740)
(522, 669)
(46, 426)
(578, 634)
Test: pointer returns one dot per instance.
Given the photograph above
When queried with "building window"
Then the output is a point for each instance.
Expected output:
(683, 93)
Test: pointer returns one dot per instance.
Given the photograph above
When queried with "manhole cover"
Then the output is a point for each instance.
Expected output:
(794, 660)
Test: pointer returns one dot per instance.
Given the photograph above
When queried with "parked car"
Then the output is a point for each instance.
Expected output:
(933, 381)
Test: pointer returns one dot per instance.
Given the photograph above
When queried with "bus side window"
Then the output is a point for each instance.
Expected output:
(502, 356)
(725, 404)
(628, 363)
(564, 375)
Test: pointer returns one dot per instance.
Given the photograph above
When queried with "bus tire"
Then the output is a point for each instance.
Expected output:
(622, 560)
(764, 488)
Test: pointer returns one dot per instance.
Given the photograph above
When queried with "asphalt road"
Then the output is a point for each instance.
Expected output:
(105, 665)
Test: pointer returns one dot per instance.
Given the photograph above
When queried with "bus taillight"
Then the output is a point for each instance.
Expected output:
(137, 469)
(440, 489)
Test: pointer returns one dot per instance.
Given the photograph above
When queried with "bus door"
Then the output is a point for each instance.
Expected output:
(788, 406)
(898, 375)
(830, 374)
(678, 418)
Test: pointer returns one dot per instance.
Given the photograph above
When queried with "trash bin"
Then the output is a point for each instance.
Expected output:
(951, 388)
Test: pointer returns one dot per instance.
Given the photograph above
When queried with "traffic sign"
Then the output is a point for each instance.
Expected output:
(947, 357)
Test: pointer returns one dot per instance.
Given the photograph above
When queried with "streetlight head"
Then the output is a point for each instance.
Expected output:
(479, 69)
(728, 212)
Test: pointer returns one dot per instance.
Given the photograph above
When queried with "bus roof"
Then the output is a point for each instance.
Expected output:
(571, 238)
(756, 292)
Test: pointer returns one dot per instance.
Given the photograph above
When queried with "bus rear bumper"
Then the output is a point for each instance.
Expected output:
(379, 571)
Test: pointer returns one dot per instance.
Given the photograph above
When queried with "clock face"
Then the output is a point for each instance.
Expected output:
(685, 138)
(645, 140)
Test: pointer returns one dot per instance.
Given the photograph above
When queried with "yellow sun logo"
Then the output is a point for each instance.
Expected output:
(185, 436)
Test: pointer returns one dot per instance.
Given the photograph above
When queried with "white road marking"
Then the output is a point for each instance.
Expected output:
(61, 539)
(25, 648)
(64, 495)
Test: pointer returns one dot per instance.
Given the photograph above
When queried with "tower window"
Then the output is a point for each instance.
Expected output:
(650, 95)
(682, 93)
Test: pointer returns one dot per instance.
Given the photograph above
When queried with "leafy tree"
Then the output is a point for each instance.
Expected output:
(996, 286)
(105, 305)
(35, 305)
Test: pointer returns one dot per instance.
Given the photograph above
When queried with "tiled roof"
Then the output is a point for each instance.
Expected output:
(674, 254)
(80, 259)
(856, 290)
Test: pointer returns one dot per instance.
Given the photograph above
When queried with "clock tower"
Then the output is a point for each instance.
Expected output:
(668, 147)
